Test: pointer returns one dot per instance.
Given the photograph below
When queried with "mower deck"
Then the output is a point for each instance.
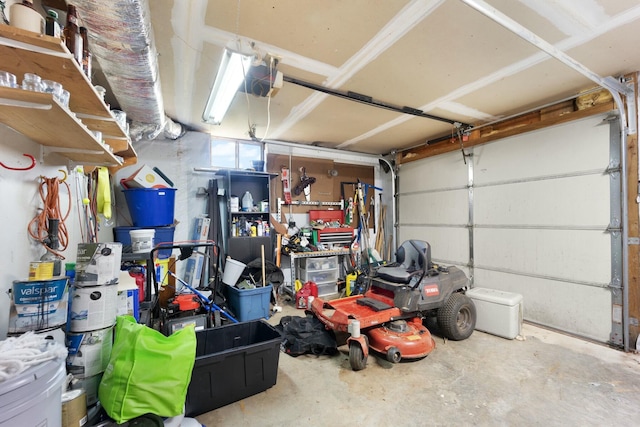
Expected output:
(337, 314)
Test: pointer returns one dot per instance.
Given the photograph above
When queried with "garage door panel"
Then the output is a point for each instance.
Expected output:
(541, 206)
(551, 303)
(572, 254)
(447, 243)
(434, 173)
(577, 146)
(449, 207)
(580, 201)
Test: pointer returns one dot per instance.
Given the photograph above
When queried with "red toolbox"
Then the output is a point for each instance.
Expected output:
(330, 234)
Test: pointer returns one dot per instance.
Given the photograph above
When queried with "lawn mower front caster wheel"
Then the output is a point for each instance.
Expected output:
(393, 355)
(357, 359)
(457, 318)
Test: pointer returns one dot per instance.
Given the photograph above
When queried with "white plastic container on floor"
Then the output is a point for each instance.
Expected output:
(33, 398)
(498, 312)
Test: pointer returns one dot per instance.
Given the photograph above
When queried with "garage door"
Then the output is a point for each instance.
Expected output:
(529, 214)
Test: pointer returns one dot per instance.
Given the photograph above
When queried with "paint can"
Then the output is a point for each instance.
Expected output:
(38, 305)
(40, 270)
(74, 408)
(93, 308)
(142, 240)
(89, 352)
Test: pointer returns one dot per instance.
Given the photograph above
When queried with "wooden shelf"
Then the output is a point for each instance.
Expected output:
(41, 118)
(27, 52)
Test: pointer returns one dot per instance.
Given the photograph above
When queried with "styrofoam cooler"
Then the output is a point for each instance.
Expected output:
(498, 312)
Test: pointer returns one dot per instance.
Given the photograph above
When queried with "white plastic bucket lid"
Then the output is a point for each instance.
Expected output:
(142, 233)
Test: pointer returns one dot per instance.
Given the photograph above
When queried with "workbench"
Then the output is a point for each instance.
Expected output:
(295, 268)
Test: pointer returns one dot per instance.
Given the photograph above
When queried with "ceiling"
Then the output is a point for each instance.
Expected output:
(438, 56)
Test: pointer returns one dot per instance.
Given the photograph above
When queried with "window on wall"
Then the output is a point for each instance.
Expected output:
(233, 154)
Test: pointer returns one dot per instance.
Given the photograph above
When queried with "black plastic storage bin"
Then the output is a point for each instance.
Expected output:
(232, 362)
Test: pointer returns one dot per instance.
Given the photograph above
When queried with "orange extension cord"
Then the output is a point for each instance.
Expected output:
(38, 227)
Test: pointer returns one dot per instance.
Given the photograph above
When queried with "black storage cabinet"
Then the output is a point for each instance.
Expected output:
(232, 362)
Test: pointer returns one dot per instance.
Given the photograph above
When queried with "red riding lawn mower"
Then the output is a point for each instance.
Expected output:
(388, 317)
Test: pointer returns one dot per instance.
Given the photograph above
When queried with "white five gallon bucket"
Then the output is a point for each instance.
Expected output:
(142, 240)
(232, 271)
(93, 308)
(33, 397)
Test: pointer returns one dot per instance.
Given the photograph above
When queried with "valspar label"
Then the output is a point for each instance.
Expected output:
(38, 305)
(38, 292)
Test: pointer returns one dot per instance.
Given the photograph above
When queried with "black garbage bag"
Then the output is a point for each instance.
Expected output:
(302, 335)
(274, 274)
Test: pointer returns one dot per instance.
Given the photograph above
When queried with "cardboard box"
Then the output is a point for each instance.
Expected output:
(193, 269)
(201, 228)
(98, 263)
(145, 177)
(128, 297)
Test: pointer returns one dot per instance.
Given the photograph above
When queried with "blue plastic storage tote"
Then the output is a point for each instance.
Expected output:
(151, 207)
(250, 304)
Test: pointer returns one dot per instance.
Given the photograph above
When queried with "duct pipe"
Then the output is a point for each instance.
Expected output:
(121, 40)
(612, 85)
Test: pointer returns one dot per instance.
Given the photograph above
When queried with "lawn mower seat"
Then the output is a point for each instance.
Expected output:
(412, 258)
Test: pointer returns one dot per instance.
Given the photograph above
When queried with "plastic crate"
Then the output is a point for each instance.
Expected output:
(328, 288)
(151, 207)
(318, 276)
(233, 362)
(250, 304)
(319, 263)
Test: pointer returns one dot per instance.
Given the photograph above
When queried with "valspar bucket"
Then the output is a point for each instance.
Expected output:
(142, 240)
(89, 352)
(93, 308)
(38, 305)
(232, 271)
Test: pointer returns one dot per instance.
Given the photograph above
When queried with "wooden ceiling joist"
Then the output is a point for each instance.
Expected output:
(561, 112)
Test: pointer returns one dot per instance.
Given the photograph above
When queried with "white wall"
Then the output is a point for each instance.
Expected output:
(20, 204)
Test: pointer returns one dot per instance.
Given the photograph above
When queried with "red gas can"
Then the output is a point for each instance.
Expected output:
(302, 296)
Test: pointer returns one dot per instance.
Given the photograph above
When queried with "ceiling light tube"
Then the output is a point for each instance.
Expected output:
(231, 73)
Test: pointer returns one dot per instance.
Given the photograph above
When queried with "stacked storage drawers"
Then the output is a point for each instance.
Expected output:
(323, 271)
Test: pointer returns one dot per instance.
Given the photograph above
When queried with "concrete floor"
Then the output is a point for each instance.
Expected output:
(542, 378)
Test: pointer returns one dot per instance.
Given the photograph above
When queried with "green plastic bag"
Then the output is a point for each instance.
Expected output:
(147, 372)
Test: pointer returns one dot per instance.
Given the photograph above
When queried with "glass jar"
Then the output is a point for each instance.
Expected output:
(64, 98)
(32, 82)
(55, 88)
(7, 79)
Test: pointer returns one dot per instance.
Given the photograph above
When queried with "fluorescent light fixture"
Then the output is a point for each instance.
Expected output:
(232, 71)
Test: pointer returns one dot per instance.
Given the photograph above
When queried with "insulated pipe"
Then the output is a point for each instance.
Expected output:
(612, 85)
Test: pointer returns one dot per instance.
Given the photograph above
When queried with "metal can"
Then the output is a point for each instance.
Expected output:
(40, 270)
